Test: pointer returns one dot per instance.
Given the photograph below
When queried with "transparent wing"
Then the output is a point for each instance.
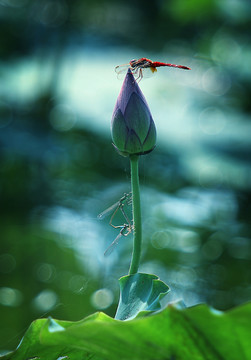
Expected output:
(147, 72)
(142, 73)
(108, 211)
(121, 70)
(126, 197)
(110, 249)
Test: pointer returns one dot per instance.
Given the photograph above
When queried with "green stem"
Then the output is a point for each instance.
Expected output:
(137, 238)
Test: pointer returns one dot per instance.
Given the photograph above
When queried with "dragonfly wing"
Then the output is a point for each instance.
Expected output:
(122, 67)
(121, 70)
(110, 249)
(143, 73)
(108, 211)
(148, 72)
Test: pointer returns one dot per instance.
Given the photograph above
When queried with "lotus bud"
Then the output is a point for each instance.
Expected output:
(133, 129)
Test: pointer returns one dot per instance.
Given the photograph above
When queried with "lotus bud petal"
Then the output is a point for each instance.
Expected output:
(133, 128)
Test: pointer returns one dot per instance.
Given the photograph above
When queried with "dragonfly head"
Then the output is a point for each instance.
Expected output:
(133, 62)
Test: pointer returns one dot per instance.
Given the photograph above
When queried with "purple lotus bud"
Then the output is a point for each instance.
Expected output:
(133, 128)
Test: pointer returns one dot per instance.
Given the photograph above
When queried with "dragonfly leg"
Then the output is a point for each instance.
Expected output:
(125, 199)
(125, 230)
(110, 222)
(126, 217)
(140, 75)
(128, 231)
(120, 206)
(138, 72)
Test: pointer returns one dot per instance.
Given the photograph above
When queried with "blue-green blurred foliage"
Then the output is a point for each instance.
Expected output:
(58, 169)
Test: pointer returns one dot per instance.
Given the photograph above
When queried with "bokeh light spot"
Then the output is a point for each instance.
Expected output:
(45, 300)
(161, 239)
(216, 82)
(212, 121)
(186, 276)
(10, 297)
(102, 299)
(62, 117)
(212, 249)
(45, 272)
(232, 50)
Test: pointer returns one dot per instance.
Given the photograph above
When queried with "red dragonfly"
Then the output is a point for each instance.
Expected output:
(139, 67)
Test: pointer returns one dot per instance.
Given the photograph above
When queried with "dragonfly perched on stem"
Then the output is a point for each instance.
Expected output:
(139, 67)
(126, 228)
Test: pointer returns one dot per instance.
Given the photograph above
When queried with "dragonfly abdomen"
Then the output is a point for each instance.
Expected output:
(158, 64)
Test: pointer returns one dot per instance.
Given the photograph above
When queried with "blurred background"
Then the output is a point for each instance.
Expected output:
(59, 170)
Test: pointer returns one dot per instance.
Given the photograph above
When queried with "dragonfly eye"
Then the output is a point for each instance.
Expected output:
(133, 62)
